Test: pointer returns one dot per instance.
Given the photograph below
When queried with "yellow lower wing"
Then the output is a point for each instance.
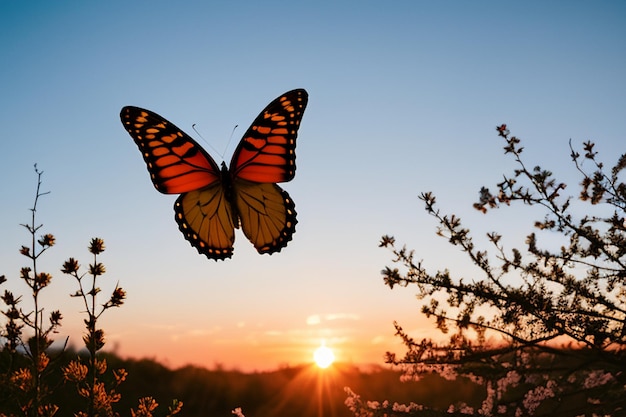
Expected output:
(206, 219)
(267, 214)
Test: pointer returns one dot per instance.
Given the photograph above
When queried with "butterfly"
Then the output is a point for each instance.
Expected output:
(214, 201)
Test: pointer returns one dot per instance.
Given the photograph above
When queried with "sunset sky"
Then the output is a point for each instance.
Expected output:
(404, 97)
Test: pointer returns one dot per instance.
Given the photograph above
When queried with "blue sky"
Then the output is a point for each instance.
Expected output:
(404, 98)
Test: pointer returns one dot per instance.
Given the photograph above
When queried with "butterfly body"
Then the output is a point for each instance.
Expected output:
(215, 200)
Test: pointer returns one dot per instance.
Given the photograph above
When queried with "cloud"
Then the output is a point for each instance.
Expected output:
(316, 319)
(342, 316)
(193, 333)
(204, 332)
(160, 326)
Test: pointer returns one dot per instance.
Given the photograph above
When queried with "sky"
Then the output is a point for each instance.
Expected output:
(404, 98)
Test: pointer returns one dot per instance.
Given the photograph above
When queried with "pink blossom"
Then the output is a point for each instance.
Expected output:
(535, 397)
(597, 378)
(374, 405)
(237, 412)
(511, 379)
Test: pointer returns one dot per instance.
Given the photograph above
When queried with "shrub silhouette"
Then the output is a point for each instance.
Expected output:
(560, 312)
(30, 371)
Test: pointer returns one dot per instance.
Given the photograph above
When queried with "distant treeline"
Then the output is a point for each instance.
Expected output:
(288, 391)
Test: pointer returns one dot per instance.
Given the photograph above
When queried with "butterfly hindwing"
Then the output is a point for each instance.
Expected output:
(266, 152)
(205, 217)
(176, 162)
(267, 214)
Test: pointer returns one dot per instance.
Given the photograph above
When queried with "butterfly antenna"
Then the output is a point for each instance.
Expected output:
(193, 126)
(231, 136)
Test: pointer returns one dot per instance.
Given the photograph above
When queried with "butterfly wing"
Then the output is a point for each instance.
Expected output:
(267, 214)
(267, 151)
(266, 155)
(206, 219)
(176, 162)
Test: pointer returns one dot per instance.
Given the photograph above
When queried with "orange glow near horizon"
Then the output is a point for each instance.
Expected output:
(259, 345)
(251, 348)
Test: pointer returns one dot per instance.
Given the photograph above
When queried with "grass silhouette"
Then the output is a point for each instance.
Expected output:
(31, 373)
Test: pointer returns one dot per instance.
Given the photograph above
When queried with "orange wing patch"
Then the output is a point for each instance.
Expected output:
(267, 151)
(176, 163)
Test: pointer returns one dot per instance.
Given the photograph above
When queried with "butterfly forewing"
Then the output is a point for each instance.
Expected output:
(266, 152)
(176, 163)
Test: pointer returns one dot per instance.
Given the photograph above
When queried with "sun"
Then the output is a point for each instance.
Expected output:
(323, 356)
